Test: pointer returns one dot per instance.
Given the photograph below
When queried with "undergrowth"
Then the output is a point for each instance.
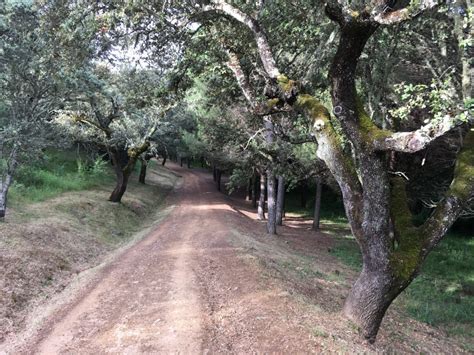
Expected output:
(54, 173)
(442, 295)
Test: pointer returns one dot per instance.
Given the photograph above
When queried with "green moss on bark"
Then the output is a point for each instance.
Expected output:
(370, 131)
(463, 182)
(406, 255)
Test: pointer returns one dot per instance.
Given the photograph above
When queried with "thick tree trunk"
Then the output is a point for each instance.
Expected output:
(261, 200)
(280, 200)
(317, 205)
(123, 166)
(255, 188)
(143, 167)
(369, 299)
(271, 203)
(121, 185)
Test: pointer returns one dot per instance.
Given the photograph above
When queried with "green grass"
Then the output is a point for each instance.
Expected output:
(443, 293)
(332, 211)
(55, 173)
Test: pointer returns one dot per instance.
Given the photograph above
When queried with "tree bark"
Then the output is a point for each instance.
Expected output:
(370, 297)
(121, 185)
(304, 193)
(271, 203)
(317, 205)
(143, 168)
(249, 190)
(5, 182)
(261, 200)
(280, 200)
(123, 165)
(218, 179)
(255, 187)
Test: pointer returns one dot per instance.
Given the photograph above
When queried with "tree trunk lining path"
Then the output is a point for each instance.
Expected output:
(206, 279)
(181, 289)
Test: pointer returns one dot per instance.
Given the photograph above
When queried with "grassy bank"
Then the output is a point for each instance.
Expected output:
(442, 295)
(61, 224)
(57, 172)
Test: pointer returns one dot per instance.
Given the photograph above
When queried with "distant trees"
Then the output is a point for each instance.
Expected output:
(105, 110)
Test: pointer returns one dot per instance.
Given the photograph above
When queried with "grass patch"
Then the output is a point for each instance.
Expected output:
(55, 173)
(443, 293)
(332, 210)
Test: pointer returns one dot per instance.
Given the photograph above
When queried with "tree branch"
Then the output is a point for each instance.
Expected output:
(261, 39)
(414, 141)
(234, 65)
(457, 197)
(384, 16)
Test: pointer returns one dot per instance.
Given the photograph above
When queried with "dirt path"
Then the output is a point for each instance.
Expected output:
(184, 288)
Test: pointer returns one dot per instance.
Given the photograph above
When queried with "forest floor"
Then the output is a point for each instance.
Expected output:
(208, 279)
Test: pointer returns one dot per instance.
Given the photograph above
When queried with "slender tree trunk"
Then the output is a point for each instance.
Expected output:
(317, 204)
(261, 200)
(143, 168)
(4, 186)
(6, 182)
(271, 203)
(214, 173)
(218, 179)
(164, 159)
(304, 193)
(181, 162)
(280, 200)
(255, 187)
(188, 162)
(249, 190)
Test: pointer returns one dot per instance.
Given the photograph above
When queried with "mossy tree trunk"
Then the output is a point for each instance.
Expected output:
(143, 167)
(124, 162)
(392, 248)
(376, 205)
